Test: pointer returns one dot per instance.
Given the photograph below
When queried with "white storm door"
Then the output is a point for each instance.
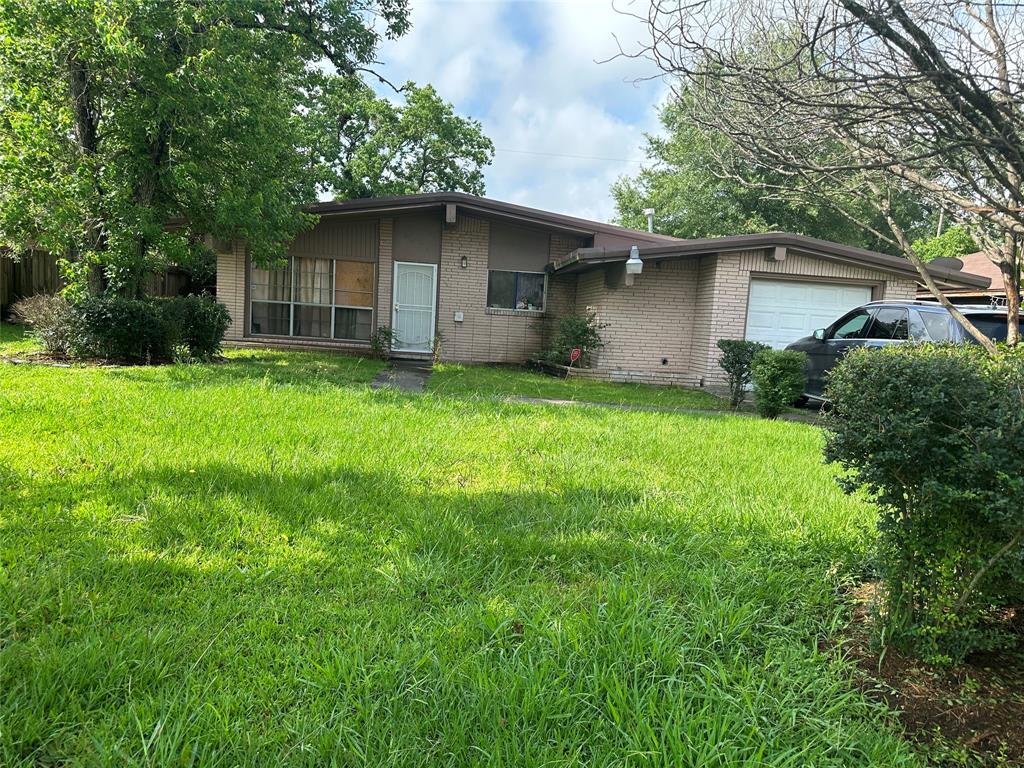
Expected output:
(414, 295)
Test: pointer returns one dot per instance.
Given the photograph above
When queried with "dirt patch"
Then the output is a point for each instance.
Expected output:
(971, 714)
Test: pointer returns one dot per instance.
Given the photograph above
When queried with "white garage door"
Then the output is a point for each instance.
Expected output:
(781, 311)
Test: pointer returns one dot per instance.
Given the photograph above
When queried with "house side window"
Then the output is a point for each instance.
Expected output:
(516, 290)
(313, 299)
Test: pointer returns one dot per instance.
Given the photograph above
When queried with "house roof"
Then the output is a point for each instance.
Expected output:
(584, 259)
(519, 213)
(979, 263)
(610, 239)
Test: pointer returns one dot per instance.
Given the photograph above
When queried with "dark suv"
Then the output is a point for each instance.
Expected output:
(890, 322)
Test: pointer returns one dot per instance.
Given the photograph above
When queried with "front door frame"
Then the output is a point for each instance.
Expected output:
(394, 303)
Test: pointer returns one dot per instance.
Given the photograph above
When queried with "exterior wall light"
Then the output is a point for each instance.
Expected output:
(634, 266)
(465, 262)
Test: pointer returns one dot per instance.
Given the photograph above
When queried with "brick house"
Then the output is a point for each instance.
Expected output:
(488, 281)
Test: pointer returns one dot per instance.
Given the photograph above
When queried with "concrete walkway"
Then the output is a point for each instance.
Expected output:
(404, 375)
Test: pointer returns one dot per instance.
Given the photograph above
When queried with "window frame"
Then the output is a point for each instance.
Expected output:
(834, 328)
(869, 333)
(292, 303)
(515, 291)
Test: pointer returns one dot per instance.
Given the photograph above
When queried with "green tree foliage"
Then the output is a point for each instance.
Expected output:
(131, 130)
(372, 146)
(953, 243)
(701, 187)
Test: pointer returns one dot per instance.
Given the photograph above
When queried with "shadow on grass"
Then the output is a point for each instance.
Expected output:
(268, 601)
(307, 369)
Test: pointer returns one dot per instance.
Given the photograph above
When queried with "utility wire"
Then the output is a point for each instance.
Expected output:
(574, 157)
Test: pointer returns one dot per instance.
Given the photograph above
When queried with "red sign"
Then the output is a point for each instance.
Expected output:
(575, 355)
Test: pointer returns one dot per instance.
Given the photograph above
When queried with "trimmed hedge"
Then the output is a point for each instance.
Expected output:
(935, 435)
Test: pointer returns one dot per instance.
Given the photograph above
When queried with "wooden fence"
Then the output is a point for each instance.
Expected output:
(37, 273)
(33, 273)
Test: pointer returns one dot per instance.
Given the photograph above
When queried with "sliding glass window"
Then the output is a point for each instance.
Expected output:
(313, 299)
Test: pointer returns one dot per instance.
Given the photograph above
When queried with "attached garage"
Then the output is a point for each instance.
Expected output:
(781, 311)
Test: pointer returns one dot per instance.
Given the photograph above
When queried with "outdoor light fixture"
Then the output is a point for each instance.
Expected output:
(465, 262)
(634, 266)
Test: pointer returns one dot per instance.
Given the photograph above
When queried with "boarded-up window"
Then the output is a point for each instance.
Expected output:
(353, 284)
(314, 298)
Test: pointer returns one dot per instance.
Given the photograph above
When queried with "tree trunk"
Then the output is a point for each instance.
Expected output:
(1009, 266)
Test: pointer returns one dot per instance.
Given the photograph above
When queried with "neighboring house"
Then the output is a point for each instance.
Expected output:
(977, 263)
(488, 281)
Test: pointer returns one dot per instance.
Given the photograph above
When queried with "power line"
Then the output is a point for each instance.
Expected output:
(573, 157)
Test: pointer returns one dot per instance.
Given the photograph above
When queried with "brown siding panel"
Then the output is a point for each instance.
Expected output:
(417, 237)
(354, 240)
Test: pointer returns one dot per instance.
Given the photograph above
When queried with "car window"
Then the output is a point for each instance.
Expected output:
(936, 324)
(993, 326)
(890, 323)
(853, 326)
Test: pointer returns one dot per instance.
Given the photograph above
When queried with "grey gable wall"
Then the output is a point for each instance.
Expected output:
(417, 237)
(518, 249)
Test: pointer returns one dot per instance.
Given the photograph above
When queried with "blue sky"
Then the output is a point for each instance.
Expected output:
(527, 69)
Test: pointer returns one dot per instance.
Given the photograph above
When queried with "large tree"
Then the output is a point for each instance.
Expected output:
(701, 187)
(372, 146)
(872, 99)
(130, 130)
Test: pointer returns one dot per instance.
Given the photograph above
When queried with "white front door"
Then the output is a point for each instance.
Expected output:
(415, 302)
(781, 311)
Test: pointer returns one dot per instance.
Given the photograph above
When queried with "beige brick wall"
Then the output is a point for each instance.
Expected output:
(490, 335)
(900, 290)
(645, 324)
(231, 288)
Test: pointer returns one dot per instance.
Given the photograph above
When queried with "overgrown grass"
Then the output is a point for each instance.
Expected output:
(509, 381)
(236, 565)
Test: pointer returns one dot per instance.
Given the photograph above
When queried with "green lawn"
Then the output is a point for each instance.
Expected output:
(495, 381)
(14, 341)
(264, 562)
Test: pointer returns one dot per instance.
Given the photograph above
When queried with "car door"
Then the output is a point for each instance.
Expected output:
(890, 325)
(846, 332)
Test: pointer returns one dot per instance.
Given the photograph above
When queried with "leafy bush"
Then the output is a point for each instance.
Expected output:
(381, 341)
(581, 332)
(51, 319)
(198, 325)
(935, 434)
(150, 330)
(779, 379)
(124, 330)
(736, 360)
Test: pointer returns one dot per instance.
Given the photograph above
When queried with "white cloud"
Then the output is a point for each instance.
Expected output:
(529, 72)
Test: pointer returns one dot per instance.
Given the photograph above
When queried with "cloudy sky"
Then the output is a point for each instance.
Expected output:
(564, 126)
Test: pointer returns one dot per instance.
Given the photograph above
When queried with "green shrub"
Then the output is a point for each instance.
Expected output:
(736, 360)
(149, 330)
(51, 319)
(124, 330)
(935, 434)
(581, 332)
(198, 325)
(381, 341)
(779, 380)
